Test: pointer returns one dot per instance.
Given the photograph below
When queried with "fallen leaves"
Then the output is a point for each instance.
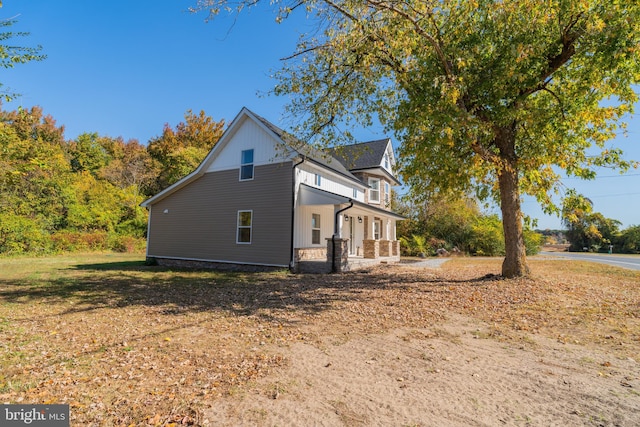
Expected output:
(144, 346)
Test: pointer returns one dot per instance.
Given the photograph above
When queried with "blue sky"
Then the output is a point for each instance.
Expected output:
(125, 68)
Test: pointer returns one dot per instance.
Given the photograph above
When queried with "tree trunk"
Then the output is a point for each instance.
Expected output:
(515, 261)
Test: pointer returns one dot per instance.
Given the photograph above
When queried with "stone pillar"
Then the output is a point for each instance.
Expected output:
(385, 248)
(339, 261)
(396, 247)
(371, 249)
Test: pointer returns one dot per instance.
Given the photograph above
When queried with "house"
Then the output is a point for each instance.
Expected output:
(263, 199)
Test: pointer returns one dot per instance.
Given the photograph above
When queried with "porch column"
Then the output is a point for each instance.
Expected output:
(338, 261)
(385, 248)
(371, 249)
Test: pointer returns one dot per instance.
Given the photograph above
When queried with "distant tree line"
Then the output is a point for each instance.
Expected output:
(591, 231)
(457, 225)
(85, 194)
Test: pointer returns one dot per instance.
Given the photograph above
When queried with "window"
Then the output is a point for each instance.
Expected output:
(374, 190)
(318, 180)
(376, 230)
(386, 161)
(315, 229)
(245, 220)
(246, 165)
(387, 194)
(355, 193)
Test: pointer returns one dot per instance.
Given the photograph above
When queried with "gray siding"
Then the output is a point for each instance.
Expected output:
(200, 222)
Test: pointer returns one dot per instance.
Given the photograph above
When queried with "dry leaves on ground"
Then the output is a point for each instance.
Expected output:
(127, 344)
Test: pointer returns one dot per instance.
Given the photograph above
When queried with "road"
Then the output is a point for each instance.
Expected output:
(625, 261)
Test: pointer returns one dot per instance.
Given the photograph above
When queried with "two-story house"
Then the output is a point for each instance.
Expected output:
(263, 199)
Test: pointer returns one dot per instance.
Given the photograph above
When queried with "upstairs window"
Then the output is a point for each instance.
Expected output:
(246, 165)
(245, 221)
(386, 161)
(315, 229)
(374, 190)
(318, 180)
(387, 194)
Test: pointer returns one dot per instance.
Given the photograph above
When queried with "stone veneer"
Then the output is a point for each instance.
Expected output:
(341, 256)
(307, 254)
(371, 248)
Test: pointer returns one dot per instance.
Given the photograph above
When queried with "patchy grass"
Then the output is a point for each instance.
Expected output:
(129, 344)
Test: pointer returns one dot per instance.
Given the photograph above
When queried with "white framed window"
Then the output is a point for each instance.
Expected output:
(386, 161)
(245, 227)
(318, 180)
(355, 193)
(374, 190)
(246, 165)
(377, 227)
(387, 194)
(315, 229)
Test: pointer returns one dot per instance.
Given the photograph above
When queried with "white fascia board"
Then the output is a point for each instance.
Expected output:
(342, 178)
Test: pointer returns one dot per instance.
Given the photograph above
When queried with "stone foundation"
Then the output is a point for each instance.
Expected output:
(222, 266)
(308, 254)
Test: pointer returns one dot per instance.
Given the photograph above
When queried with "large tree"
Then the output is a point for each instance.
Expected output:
(494, 96)
(181, 150)
(12, 54)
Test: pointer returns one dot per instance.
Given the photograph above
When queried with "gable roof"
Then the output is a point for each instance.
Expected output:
(324, 158)
(321, 157)
(364, 156)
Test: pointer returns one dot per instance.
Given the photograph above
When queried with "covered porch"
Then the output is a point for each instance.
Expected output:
(354, 235)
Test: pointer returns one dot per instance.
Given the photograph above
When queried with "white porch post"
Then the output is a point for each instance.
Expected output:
(336, 208)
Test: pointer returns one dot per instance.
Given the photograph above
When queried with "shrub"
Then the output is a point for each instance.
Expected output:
(126, 244)
(73, 241)
(487, 238)
(19, 234)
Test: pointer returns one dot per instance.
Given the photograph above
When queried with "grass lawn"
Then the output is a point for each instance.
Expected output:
(127, 344)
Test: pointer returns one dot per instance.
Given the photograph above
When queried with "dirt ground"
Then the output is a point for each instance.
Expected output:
(449, 375)
(459, 371)
(415, 344)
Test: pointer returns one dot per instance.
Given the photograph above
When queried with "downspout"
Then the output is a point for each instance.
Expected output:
(335, 232)
(293, 209)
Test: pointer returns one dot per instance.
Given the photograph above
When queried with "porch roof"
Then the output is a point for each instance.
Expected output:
(314, 196)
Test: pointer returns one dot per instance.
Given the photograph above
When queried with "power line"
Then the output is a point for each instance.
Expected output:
(604, 176)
